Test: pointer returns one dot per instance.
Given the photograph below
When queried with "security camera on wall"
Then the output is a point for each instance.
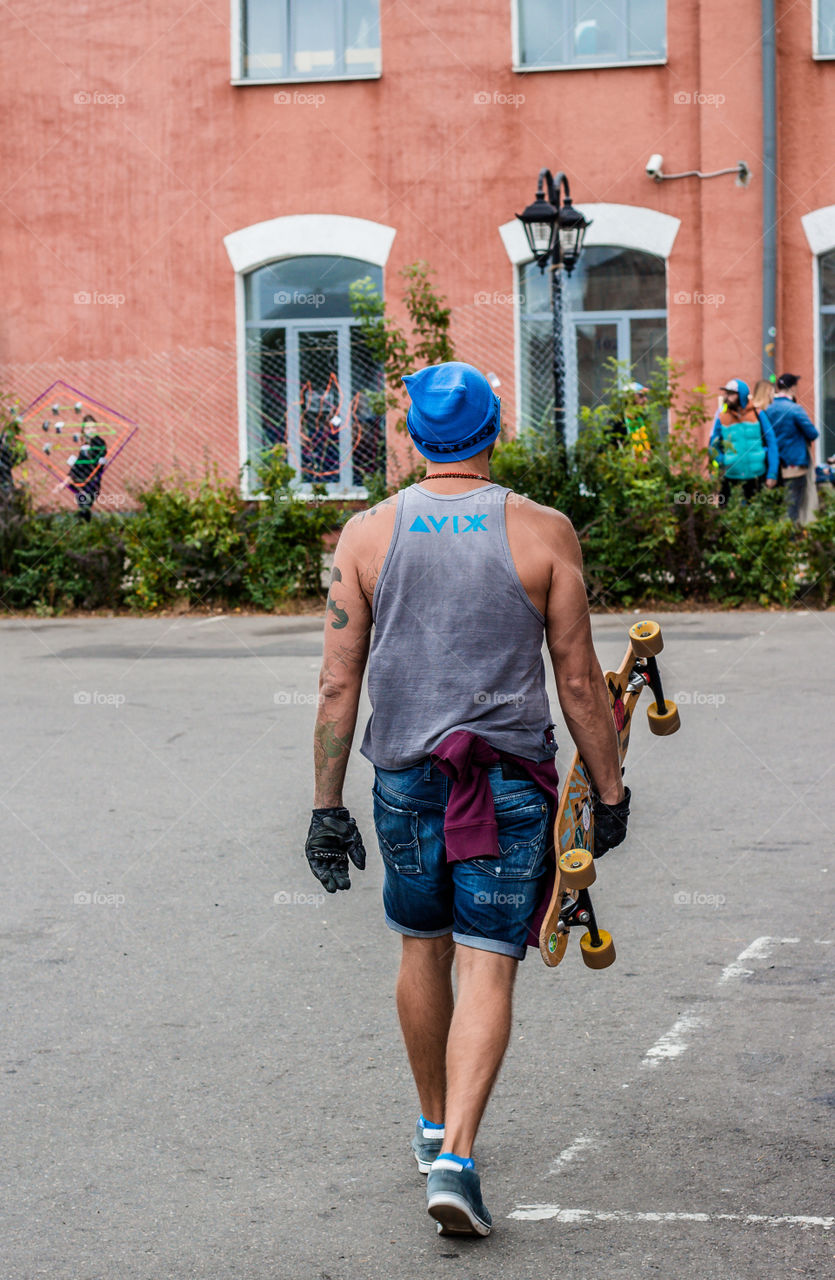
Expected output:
(654, 167)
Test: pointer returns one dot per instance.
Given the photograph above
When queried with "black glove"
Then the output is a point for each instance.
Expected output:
(610, 823)
(332, 839)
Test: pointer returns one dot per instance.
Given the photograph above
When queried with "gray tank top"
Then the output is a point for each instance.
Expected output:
(457, 642)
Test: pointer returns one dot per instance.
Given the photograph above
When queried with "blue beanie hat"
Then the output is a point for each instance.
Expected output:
(454, 413)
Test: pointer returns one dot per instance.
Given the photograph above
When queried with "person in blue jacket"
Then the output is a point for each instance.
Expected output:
(794, 431)
(743, 443)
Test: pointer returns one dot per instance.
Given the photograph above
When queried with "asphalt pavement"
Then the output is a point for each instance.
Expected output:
(203, 1070)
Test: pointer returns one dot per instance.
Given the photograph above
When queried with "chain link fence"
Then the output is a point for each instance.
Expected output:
(316, 390)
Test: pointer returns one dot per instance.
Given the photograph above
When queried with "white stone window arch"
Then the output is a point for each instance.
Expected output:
(615, 226)
(319, 238)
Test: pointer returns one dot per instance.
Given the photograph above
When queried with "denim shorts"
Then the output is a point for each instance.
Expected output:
(486, 903)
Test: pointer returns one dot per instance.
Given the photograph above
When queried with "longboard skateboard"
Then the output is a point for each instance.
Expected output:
(570, 903)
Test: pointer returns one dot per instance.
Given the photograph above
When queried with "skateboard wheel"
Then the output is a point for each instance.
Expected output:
(666, 723)
(646, 639)
(597, 957)
(577, 870)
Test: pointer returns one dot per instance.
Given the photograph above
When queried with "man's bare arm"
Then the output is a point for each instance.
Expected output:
(580, 685)
(347, 638)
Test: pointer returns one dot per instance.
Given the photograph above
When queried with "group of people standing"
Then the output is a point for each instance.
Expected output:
(764, 437)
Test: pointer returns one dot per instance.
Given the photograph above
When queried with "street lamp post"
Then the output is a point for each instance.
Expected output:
(555, 231)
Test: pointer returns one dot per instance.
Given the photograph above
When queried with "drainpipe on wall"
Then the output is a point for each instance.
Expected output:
(769, 67)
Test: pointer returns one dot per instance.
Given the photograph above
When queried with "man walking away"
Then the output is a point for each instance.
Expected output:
(743, 443)
(794, 432)
(460, 580)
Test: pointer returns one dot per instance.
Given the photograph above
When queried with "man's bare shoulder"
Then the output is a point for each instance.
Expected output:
(547, 522)
(366, 527)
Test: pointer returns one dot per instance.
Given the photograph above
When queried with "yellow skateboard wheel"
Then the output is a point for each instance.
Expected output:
(646, 639)
(597, 957)
(660, 724)
(577, 870)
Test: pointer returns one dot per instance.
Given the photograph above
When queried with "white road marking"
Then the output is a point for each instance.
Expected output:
(565, 1157)
(759, 949)
(672, 1043)
(539, 1212)
(204, 622)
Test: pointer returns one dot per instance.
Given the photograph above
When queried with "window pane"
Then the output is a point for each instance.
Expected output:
(827, 279)
(536, 290)
(827, 427)
(321, 408)
(648, 344)
(566, 32)
(368, 423)
(614, 279)
(264, 55)
(826, 26)
(310, 288)
(537, 374)
(597, 344)
(543, 25)
(646, 29)
(362, 37)
(315, 37)
(266, 390)
(599, 33)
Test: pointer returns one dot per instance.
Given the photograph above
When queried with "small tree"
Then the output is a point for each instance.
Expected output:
(400, 353)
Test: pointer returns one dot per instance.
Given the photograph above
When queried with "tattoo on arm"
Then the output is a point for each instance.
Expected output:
(340, 615)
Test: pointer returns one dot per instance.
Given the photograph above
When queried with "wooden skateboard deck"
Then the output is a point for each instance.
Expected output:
(570, 903)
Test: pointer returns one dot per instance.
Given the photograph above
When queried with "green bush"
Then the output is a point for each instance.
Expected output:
(192, 541)
(286, 537)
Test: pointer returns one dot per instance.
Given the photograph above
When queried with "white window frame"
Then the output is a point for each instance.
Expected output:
(239, 80)
(627, 226)
(296, 236)
(816, 54)
(522, 68)
(819, 228)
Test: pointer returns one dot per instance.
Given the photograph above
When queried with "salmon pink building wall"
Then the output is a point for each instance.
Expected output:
(131, 157)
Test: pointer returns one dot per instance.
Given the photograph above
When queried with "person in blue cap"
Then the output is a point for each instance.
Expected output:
(445, 592)
(742, 443)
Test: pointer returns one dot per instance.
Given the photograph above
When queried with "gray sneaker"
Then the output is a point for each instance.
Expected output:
(453, 1199)
(424, 1148)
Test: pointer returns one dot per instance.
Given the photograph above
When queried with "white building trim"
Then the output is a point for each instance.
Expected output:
(819, 226)
(629, 226)
(302, 234)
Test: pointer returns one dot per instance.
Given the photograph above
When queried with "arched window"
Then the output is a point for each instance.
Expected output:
(826, 425)
(614, 306)
(311, 382)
